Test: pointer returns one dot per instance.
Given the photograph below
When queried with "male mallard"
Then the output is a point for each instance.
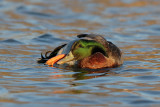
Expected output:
(88, 51)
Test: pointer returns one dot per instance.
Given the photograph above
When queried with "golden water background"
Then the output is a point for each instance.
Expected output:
(29, 27)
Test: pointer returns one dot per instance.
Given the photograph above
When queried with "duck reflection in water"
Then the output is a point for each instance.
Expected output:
(80, 74)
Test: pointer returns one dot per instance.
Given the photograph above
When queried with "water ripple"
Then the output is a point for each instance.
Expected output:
(30, 27)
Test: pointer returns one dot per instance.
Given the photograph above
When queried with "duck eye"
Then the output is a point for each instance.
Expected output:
(80, 46)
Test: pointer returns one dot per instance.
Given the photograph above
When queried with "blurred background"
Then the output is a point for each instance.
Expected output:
(29, 27)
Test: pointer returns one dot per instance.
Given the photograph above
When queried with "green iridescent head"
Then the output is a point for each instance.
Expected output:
(84, 48)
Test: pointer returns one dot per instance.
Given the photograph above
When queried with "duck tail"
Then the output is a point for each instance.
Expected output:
(46, 57)
(43, 59)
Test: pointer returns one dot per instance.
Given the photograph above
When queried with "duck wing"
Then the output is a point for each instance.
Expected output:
(115, 52)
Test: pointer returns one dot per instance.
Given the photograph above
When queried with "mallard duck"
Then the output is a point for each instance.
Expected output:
(87, 51)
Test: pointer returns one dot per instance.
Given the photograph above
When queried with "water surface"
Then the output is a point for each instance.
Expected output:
(29, 27)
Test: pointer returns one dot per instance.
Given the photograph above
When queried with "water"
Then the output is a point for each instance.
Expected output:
(29, 27)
